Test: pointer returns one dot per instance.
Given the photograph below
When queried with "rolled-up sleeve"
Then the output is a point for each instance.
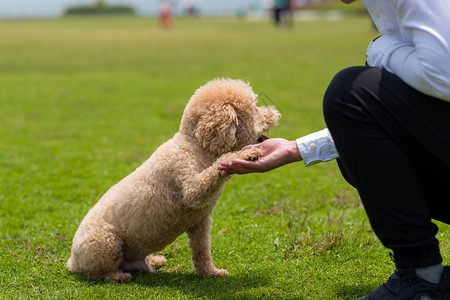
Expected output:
(419, 53)
(317, 147)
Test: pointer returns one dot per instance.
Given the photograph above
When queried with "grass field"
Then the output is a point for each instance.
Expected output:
(83, 102)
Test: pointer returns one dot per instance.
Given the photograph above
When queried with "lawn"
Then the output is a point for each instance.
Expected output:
(83, 102)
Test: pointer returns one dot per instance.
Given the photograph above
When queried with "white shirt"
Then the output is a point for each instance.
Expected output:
(414, 45)
(414, 42)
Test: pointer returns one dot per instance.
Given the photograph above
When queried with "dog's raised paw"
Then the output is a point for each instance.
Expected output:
(252, 154)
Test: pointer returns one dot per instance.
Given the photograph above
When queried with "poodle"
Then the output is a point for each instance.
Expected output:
(175, 190)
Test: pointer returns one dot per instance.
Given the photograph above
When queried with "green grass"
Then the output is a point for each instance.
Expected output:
(84, 101)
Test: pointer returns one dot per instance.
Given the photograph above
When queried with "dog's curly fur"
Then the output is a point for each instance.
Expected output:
(175, 190)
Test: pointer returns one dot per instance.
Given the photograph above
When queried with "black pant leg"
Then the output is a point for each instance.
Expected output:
(381, 144)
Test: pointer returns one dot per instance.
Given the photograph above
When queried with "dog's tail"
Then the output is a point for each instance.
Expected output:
(72, 264)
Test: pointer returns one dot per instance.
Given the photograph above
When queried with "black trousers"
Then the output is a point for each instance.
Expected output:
(394, 148)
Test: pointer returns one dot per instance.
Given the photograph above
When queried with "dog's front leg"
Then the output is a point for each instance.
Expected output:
(197, 186)
(200, 244)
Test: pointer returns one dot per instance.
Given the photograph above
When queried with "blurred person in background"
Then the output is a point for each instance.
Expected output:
(189, 8)
(389, 130)
(279, 7)
(165, 14)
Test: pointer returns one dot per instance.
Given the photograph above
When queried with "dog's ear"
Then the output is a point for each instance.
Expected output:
(217, 131)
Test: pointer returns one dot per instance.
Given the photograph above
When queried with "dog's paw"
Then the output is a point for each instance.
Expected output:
(251, 154)
(118, 276)
(212, 272)
(220, 272)
(156, 261)
(217, 272)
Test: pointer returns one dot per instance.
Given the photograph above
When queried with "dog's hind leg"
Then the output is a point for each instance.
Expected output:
(200, 244)
(98, 254)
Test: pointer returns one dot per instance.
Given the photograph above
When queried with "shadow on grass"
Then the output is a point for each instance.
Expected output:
(352, 292)
(242, 286)
(230, 287)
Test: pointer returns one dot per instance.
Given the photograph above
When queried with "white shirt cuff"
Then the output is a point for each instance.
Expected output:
(317, 147)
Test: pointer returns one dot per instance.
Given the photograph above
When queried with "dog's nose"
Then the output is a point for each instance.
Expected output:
(262, 138)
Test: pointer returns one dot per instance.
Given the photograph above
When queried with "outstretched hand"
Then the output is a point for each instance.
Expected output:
(275, 153)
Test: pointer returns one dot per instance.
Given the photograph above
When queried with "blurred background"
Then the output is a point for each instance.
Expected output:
(11, 9)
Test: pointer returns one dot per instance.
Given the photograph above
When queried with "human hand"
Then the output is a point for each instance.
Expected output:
(275, 153)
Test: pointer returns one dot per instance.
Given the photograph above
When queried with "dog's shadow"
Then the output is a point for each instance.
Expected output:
(240, 286)
(233, 286)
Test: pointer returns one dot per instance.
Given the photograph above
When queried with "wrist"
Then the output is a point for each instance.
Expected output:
(293, 152)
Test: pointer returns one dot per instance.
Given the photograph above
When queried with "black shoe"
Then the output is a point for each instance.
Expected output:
(407, 286)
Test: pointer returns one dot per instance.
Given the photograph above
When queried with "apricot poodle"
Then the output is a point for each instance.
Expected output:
(175, 190)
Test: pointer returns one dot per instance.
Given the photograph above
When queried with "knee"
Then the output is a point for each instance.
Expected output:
(347, 92)
(338, 91)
